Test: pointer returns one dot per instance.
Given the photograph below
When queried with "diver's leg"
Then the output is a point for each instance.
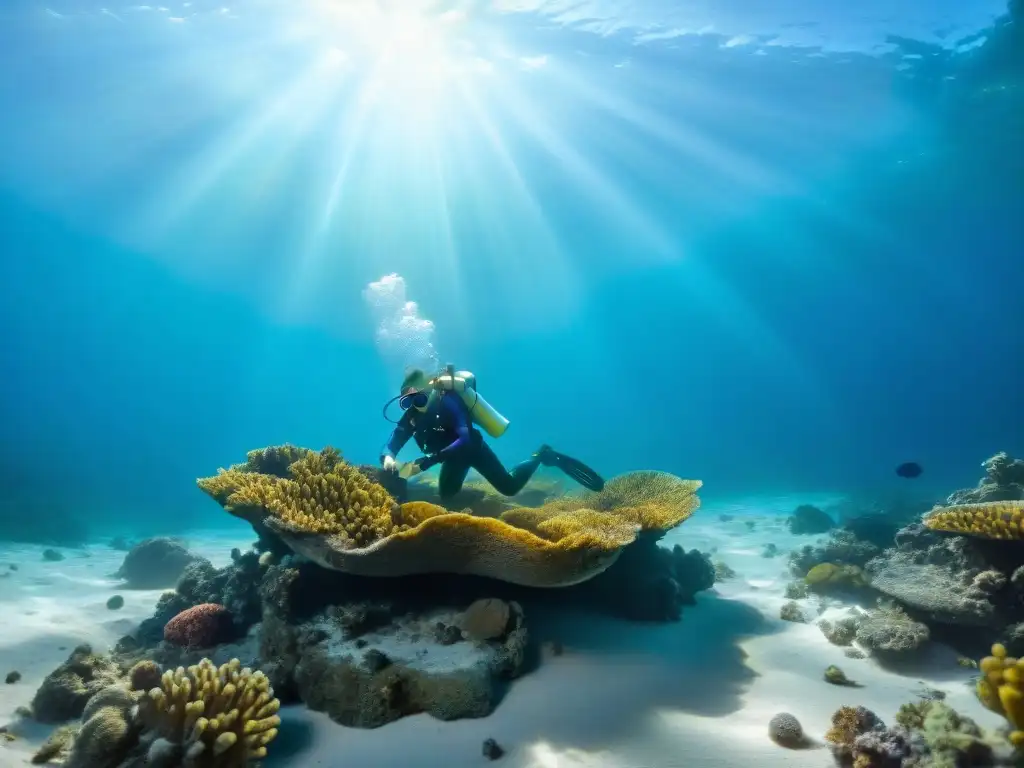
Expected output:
(504, 482)
(453, 475)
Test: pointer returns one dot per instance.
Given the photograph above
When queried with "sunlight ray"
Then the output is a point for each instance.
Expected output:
(674, 133)
(589, 179)
(550, 259)
(299, 107)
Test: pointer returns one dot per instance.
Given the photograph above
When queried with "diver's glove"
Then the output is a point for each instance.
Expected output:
(389, 464)
(410, 469)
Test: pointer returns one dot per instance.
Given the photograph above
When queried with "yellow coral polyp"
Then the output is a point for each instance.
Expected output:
(207, 710)
(1000, 689)
(989, 520)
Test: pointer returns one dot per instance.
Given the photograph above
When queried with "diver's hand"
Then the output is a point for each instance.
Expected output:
(410, 469)
(389, 464)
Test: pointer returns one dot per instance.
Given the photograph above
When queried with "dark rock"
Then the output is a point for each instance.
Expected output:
(808, 519)
(447, 634)
(154, 563)
(116, 602)
(492, 750)
(374, 661)
(52, 555)
(12, 677)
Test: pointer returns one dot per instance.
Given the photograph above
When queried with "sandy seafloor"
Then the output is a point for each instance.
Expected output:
(695, 693)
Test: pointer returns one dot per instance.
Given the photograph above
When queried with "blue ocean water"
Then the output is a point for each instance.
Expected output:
(778, 250)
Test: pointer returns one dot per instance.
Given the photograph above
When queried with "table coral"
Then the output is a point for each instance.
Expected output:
(988, 520)
(335, 515)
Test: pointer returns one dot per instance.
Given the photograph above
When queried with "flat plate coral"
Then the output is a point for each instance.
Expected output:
(325, 509)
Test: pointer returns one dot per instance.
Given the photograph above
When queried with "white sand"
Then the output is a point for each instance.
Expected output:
(695, 693)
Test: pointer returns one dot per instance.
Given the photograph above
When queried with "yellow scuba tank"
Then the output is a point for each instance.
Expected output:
(463, 383)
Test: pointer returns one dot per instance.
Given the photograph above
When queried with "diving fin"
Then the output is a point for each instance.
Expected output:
(574, 468)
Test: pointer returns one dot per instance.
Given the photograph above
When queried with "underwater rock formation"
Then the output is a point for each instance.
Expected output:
(369, 663)
(808, 519)
(65, 691)
(1003, 481)
(842, 548)
(935, 576)
(154, 563)
(648, 582)
(331, 513)
(888, 630)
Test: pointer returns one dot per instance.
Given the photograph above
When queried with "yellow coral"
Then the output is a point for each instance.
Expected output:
(656, 501)
(322, 494)
(415, 512)
(990, 520)
(358, 528)
(825, 576)
(217, 717)
(1001, 689)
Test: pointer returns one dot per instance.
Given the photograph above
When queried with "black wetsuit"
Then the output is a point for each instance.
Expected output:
(446, 435)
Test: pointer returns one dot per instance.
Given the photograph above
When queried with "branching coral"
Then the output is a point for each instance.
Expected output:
(989, 520)
(323, 494)
(1001, 689)
(214, 717)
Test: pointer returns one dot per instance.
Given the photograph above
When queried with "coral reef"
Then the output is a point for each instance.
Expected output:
(842, 548)
(841, 632)
(65, 691)
(928, 733)
(934, 575)
(1003, 481)
(200, 717)
(335, 515)
(785, 730)
(889, 630)
(791, 612)
(875, 521)
(807, 519)
(154, 563)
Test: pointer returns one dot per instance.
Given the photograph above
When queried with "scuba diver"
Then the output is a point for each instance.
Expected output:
(441, 414)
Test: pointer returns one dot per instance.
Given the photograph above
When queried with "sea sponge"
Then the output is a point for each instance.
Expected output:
(827, 577)
(102, 740)
(1001, 689)
(785, 730)
(214, 717)
(144, 675)
(201, 626)
(989, 520)
(335, 515)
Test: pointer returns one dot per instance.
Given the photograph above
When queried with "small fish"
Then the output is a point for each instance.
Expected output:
(909, 470)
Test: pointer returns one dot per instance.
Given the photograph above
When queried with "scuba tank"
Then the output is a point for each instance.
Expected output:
(463, 383)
